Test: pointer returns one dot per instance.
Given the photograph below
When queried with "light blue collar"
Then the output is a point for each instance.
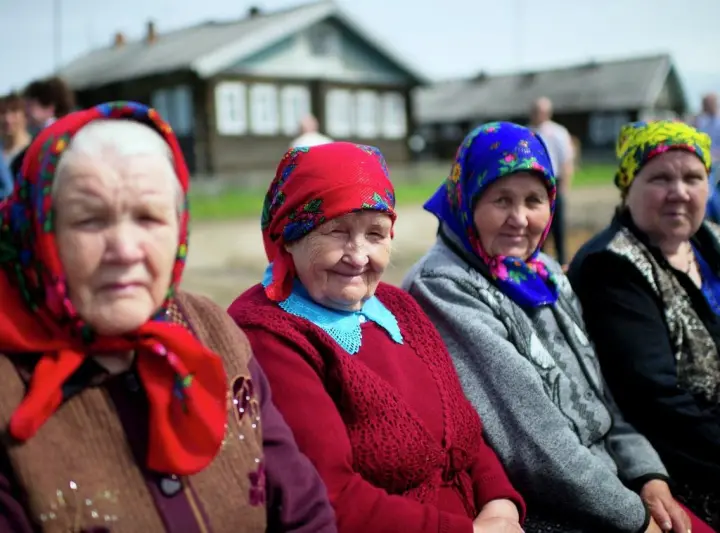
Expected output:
(342, 326)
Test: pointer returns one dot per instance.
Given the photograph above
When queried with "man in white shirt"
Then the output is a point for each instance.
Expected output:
(562, 156)
(309, 134)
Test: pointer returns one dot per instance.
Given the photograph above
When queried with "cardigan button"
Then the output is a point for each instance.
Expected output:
(132, 383)
(170, 486)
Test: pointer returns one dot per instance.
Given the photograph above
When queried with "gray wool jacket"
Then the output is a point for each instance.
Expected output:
(536, 383)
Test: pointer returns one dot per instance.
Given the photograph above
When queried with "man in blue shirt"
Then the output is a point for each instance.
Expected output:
(709, 122)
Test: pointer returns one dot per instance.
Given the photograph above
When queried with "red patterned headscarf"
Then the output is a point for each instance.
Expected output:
(313, 185)
(185, 382)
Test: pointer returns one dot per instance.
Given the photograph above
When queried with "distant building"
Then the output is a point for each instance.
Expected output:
(592, 100)
(235, 92)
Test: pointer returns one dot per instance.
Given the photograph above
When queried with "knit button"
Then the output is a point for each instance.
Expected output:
(170, 486)
(131, 382)
(362, 319)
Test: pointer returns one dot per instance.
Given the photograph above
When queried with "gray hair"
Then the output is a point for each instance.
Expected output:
(125, 138)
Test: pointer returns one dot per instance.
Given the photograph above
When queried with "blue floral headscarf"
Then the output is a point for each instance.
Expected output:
(488, 153)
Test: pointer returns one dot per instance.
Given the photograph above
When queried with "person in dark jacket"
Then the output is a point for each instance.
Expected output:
(649, 285)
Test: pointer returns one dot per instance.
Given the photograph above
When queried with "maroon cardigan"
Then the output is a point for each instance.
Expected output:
(389, 429)
(296, 499)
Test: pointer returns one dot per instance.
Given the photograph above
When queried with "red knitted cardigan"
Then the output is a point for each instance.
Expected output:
(390, 446)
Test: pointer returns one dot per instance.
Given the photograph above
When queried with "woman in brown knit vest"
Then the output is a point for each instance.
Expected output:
(125, 405)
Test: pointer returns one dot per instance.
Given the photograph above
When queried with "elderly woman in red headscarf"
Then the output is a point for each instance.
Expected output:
(125, 404)
(358, 371)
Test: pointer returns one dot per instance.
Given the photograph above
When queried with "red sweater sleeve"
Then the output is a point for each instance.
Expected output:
(320, 433)
(490, 482)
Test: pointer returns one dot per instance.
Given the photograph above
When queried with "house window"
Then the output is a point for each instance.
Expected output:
(367, 109)
(160, 101)
(603, 128)
(175, 105)
(295, 107)
(324, 41)
(182, 110)
(231, 108)
(394, 117)
(264, 113)
(339, 113)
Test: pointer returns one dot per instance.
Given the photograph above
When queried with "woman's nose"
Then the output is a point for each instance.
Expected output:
(518, 218)
(124, 243)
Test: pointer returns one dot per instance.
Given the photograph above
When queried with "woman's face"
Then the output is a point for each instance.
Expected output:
(511, 215)
(117, 233)
(12, 120)
(340, 263)
(668, 196)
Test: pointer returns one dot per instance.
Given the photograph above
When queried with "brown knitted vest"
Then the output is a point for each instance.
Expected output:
(78, 472)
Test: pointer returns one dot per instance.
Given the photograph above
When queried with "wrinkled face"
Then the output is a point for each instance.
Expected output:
(667, 198)
(117, 234)
(12, 121)
(512, 214)
(37, 113)
(340, 262)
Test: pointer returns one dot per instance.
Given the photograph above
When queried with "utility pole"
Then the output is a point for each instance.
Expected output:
(519, 34)
(57, 34)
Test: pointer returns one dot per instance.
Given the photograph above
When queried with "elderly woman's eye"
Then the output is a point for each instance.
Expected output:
(150, 218)
(83, 222)
(535, 200)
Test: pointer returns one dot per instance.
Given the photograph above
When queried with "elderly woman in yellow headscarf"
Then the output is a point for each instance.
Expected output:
(650, 289)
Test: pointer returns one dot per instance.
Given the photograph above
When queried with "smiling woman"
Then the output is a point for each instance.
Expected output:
(359, 372)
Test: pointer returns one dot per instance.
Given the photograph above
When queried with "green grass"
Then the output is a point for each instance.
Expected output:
(414, 185)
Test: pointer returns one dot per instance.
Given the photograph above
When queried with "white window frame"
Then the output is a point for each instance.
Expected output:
(295, 105)
(264, 109)
(231, 108)
(394, 115)
(339, 113)
(367, 114)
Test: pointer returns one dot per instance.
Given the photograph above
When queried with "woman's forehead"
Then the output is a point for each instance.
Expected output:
(142, 172)
(677, 160)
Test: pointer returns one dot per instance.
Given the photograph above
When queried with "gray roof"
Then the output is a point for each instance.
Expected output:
(209, 48)
(607, 86)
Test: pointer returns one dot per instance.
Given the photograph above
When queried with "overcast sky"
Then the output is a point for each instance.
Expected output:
(442, 38)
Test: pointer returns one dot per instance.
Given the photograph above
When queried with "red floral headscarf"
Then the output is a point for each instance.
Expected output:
(313, 185)
(185, 382)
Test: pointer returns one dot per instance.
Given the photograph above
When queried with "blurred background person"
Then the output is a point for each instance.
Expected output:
(14, 135)
(310, 134)
(562, 156)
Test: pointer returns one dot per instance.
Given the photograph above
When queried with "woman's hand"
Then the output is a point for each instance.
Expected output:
(496, 525)
(498, 516)
(653, 527)
(666, 512)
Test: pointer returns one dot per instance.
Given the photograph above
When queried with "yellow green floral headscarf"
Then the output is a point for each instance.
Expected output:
(639, 142)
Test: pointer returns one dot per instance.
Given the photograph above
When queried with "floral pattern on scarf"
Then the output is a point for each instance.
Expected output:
(639, 142)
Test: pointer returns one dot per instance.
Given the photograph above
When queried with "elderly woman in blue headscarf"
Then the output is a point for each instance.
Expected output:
(514, 329)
